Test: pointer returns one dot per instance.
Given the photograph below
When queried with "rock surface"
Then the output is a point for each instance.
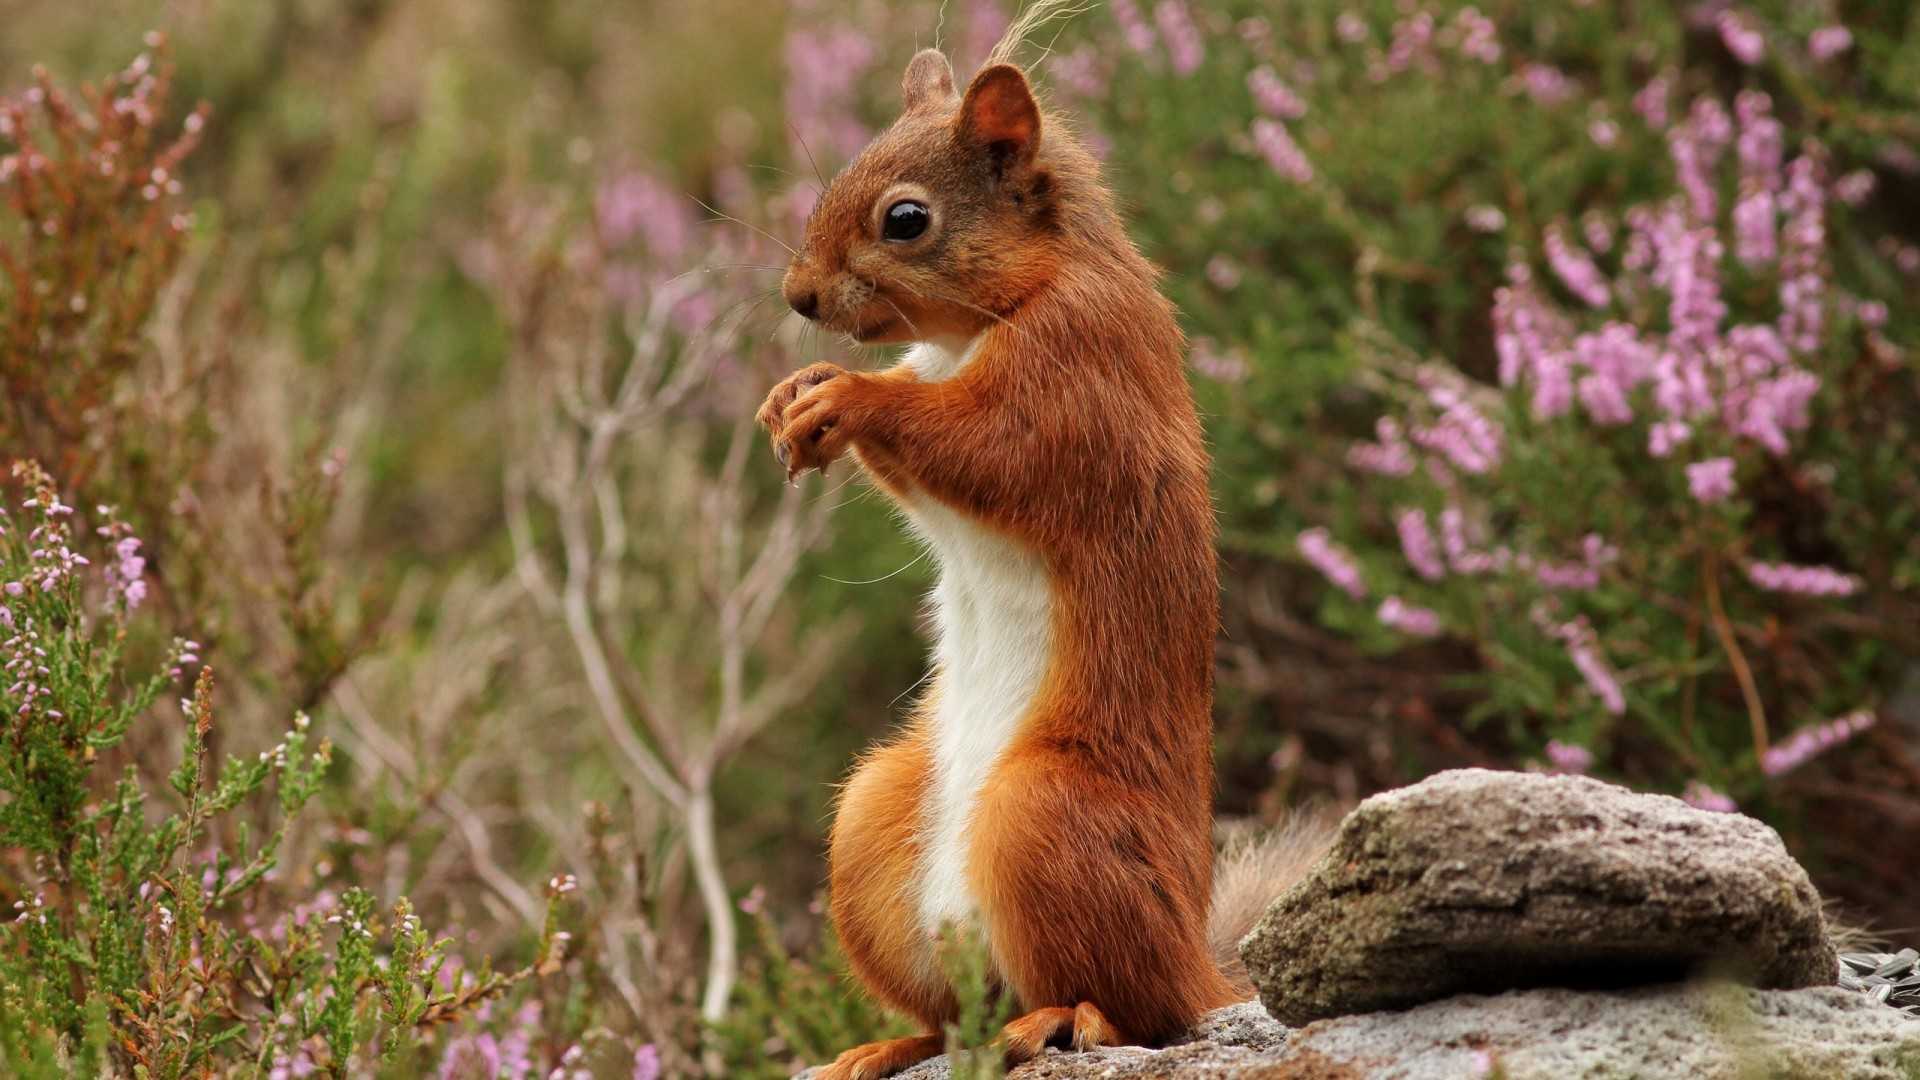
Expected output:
(1697, 1032)
(1475, 881)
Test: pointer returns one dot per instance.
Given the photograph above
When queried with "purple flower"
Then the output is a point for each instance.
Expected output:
(1741, 39)
(1485, 218)
(1546, 84)
(1650, 101)
(1184, 47)
(1134, 28)
(1711, 481)
(1828, 42)
(1569, 757)
(1667, 435)
(1584, 651)
(1753, 228)
(1079, 72)
(1274, 97)
(1332, 560)
(1802, 580)
(1703, 797)
(1463, 436)
(1391, 456)
(1409, 618)
(1276, 145)
(1350, 28)
(1416, 540)
(1807, 742)
(1479, 37)
(646, 1063)
(1576, 269)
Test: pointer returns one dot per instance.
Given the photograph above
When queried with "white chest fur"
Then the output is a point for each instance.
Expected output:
(992, 611)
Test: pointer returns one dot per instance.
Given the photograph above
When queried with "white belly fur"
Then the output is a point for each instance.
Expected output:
(992, 612)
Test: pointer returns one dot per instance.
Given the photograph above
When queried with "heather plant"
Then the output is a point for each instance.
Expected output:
(145, 937)
(1636, 529)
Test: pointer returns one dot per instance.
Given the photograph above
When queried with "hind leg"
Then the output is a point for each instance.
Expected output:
(874, 868)
(1094, 892)
(878, 1059)
(1082, 1027)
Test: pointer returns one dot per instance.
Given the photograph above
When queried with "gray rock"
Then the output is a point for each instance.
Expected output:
(1682, 1032)
(1705, 1032)
(1480, 881)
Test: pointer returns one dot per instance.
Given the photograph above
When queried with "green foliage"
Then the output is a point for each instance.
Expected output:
(973, 1044)
(139, 939)
(791, 1011)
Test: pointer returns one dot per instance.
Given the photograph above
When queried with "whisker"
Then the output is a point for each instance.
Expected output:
(911, 325)
(724, 216)
(808, 150)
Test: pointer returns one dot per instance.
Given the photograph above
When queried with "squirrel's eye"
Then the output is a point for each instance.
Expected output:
(906, 220)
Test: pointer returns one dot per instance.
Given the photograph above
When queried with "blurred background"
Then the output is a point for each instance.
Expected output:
(1557, 359)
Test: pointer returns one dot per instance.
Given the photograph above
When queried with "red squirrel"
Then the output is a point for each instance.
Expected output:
(1053, 787)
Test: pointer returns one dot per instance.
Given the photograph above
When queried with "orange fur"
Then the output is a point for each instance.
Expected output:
(1072, 432)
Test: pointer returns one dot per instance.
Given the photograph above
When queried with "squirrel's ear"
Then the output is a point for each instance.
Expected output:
(1000, 115)
(928, 81)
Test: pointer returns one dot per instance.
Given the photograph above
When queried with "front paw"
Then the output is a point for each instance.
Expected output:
(773, 412)
(818, 427)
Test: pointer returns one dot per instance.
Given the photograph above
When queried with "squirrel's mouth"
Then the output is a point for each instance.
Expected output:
(874, 330)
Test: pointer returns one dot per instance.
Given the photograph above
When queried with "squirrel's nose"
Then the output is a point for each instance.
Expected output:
(806, 303)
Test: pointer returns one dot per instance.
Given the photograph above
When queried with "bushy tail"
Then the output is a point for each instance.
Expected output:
(1251, 871)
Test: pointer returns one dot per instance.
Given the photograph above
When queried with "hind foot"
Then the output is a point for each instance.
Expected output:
(878, 1059)
(1082, 1027)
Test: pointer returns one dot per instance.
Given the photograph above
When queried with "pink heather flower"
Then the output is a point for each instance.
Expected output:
(1564, 576)
(1650, 101)
(1274, 97)
(1753, 228)
(986, 21)
(1741, 39)
(1576, 269)
(1227, 367)
(1350, 28)
(1391, 456)
(1479, 36)
(1133, 26)
(1271, 139)
(1409, 618)
(1809, 741)
(1598, 231)
(1417, 542)
(1569, 757)
(1332, 560)
(646, 1063)
(1666, 435)
(1223, 272)
(1486, 219)
(1702, 797)
(1458, 545)
(1411, 38)
(824, 70)
(1465, 438)
(1762, 141)
(1802, 275)
(1855, 188)
(1711, 481)
(1584, 651)
(755, 901)
(1184, 47)
(1079, 72)
(1546, 84)
(1828, 42)
(1802, 580)
(636, 205)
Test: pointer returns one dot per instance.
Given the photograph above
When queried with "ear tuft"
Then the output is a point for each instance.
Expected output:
(999, 113)
(928, 81)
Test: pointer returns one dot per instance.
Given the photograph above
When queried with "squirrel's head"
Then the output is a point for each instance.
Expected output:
(947, 221)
